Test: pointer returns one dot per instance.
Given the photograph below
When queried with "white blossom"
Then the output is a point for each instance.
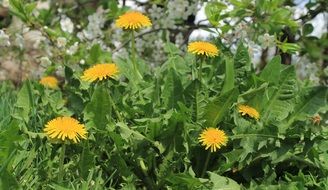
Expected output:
(73, 49)
(5, 3)
(82, 62)
(266, 40)
(95, 24)
(43, 5)
(61, 42)
(66, 24)
(45, 61)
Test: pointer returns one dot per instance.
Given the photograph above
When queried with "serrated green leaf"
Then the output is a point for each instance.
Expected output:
(217, 109)
(223, 183)
(99, 108)
(172, 92)
(281, 102)
(242, 58)
(171, 49)
(86, 162)
(310, 104)
(24, 102)
(195, 99)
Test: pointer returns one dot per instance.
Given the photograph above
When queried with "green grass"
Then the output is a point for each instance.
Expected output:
(7, 100)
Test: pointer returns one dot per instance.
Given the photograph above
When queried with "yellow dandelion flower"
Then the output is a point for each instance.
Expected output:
(65, 127)
(247, 110)
(50, 82)
(203, 48)
(213, 138)
(133, 20)
(100, 72)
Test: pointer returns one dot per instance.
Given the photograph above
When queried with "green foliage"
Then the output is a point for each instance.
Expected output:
(281, 98)
(143, 131)
(271, 72)
(99, 108)
(217, 109)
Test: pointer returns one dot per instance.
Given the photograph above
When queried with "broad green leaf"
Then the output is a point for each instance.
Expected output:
(223, 183)
(99, 108)
(86, 161)
(8, 137)
(281, 102)
(310, 104)
(8, 181)
(184, 181)
(24, 102)
(127, 132)
(254, 96)
(97, 55)
(217, 109)
(229, 80)
(172, 92)
(171, 49)
(271, 72)
(213, 10)
(195, 100)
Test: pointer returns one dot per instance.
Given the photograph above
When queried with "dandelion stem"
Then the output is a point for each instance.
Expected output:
(200, 72)
(61, 163)
(133, 55)
(198, 84)
(206, 163)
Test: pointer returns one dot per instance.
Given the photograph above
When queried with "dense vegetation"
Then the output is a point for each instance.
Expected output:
(144, 122)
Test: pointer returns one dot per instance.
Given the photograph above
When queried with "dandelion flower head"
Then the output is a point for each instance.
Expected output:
(213, 138)
(63, 128)
(203, 48)
(250, 111)
(100, 72)
(133, 20)
(49, 81)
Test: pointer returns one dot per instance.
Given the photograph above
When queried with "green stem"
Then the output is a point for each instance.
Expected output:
(61, 163)
(206, 163)
(200, 72)
(133, 54)
(198, 85)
